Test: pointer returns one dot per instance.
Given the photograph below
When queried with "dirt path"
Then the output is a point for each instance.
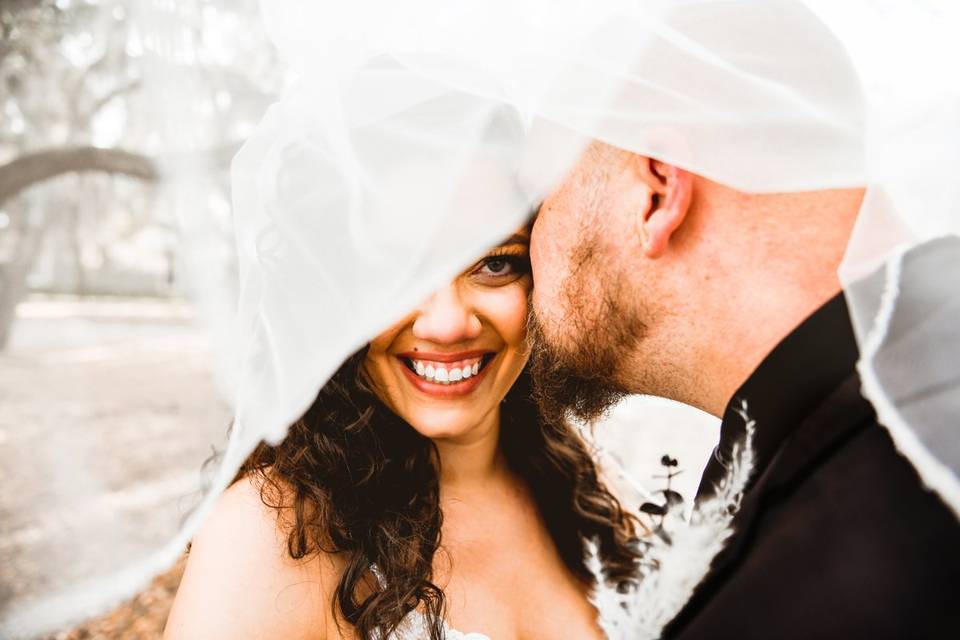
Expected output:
(107, 412)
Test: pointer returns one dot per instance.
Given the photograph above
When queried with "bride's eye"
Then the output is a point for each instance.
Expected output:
(497, 265)
(501, 269)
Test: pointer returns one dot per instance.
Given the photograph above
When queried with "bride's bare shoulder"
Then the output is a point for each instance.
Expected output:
(240, 581)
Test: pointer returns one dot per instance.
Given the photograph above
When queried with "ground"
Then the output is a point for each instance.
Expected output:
(142, 618)
(108, 413)
(108, 410)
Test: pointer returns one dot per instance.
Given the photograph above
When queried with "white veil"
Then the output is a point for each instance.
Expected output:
(417, 134)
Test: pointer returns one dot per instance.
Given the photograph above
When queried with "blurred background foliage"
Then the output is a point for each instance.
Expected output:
(80, 150)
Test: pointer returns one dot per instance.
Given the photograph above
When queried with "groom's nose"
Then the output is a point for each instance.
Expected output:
(446, 317)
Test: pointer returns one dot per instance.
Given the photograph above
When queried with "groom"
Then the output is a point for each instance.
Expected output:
(653, 280)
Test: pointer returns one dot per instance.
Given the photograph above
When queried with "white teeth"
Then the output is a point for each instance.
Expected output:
(437, 372)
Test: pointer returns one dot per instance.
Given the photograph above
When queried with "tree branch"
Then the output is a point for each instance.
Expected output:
(31, 168)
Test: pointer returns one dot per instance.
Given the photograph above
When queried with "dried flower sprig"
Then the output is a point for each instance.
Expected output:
(678, 553)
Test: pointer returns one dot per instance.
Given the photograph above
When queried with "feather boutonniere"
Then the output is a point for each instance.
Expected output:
(677, 551)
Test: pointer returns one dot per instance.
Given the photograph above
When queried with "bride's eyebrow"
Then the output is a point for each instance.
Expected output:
(515, 239)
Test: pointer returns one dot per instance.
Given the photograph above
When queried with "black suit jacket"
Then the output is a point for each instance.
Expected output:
(836, 537)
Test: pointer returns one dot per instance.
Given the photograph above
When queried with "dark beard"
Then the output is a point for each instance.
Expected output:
(581, 382)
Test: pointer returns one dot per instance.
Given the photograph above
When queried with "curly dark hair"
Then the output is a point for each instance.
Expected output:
(361, 482)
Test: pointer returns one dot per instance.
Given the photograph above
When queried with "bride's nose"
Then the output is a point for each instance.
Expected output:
(446, 317)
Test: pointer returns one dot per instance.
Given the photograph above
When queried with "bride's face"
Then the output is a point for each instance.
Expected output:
(446, 367)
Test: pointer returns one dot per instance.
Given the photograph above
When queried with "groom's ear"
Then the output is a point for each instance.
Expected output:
(671, 190)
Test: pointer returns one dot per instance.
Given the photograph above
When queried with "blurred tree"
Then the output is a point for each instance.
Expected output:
(73, 100)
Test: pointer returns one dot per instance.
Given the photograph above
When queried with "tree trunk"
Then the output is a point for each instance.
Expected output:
(32, 168)
(13, 278)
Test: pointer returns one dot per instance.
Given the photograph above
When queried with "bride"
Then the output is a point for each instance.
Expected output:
(421, 492)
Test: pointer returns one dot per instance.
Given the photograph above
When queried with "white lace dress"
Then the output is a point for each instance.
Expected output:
(414, 626)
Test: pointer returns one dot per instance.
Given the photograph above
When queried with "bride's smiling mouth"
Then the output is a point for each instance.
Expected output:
(445, 374)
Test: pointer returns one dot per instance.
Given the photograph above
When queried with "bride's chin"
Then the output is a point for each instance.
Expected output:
(442, 430)
(443, 424)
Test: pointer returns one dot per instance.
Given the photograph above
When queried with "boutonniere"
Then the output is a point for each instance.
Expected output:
(677, 550)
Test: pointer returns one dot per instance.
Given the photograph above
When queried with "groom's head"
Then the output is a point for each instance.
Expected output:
(651, 279)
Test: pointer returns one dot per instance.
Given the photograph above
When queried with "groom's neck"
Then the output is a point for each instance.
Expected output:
(778, 267)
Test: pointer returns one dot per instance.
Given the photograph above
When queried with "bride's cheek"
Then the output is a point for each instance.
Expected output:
(507, 309)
